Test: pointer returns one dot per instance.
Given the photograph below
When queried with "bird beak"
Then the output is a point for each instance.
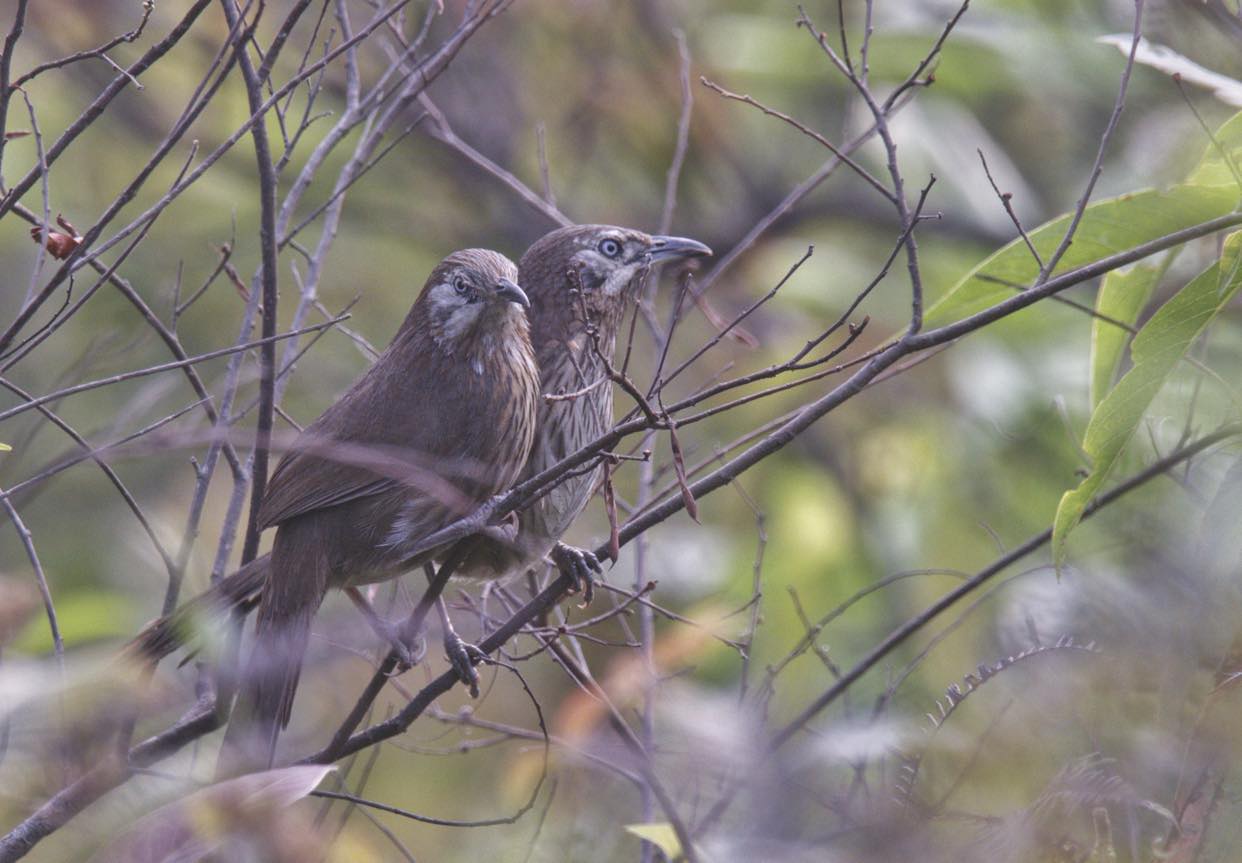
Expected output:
(675, 248)
(511, 292)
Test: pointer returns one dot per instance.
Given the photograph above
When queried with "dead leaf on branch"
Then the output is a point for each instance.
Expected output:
(59, 244)
(679, 465)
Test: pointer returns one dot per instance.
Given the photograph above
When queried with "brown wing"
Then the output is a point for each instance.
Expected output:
(327, 464)
(304, 484)
(404, 430)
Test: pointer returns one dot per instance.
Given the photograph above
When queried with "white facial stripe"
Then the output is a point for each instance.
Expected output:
(443, 295)
(457, 315)
(617, 278)
(620, 278)
(461, 320)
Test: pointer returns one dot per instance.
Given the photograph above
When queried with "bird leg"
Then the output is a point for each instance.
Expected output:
(409, 652)
(462, 655)
(580, 565)
(474, 522)
(505, 533)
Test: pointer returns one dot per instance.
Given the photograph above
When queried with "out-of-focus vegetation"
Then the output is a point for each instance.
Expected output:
(1073, 751)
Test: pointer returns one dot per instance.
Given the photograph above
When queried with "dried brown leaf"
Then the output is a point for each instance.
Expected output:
(679, 465)
(610, 506)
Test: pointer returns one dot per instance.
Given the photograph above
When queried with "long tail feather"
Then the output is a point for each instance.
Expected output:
(292, 594)
(168, 634)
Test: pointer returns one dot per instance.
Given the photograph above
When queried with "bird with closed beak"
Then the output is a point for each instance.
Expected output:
(581, 281)
(442, 421)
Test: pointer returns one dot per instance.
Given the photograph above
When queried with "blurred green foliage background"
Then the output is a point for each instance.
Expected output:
(936, 470)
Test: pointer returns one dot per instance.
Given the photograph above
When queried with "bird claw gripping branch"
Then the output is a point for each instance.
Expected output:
(463, 657)
(580, 565)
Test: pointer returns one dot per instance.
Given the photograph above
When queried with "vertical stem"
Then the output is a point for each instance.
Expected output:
(268, 281)
(646, 638)
(6, 64)
(646, 477)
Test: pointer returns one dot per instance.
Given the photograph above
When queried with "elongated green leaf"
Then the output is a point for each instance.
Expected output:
(1156, 350)
(1107, 227)
(661, 835)
(1121, 299)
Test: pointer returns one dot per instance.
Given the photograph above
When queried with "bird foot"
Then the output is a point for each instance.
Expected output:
(408, 651)
(581, 566)
(464, 656)
(505, 533)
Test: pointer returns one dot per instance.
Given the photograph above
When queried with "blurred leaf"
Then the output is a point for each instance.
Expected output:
(1220, 543)
(1122, 296)
(1087, 785)
(84, 616)
(1156, 349)
(19, 600)
(1107, 227)
(1185, 846)
(1165, 59)
(4, 447)
(973, 66)
(190, 828)
(760, 45)
(1214, 168)
(1104, 849)
(629, 676)
(661, 835)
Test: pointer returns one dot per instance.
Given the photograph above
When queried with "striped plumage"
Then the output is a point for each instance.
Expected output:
(570, 280)
(581, 277)
(442, 421)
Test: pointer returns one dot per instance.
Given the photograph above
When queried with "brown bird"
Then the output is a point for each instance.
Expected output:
(580, 279)
(442, 421)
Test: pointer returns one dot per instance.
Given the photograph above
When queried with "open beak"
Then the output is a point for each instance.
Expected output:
(675, 248)
(511, 292)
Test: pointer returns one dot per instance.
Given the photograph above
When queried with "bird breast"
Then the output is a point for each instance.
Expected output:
(490, 397)
(565, 426)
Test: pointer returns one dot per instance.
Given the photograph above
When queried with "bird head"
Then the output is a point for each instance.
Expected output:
(604, 264)
(468, 296)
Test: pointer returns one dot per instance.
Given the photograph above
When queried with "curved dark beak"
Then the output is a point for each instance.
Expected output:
(675, 248)
(511, 292)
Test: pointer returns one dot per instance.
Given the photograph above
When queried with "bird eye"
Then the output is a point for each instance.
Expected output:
(459, 284)
(610, 248)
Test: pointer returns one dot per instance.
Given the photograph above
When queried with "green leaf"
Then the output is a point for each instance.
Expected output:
(4, 447)
(1107, 227)
(1121, 298)
(1156, 349)
(1213, 169)
(661, 835)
